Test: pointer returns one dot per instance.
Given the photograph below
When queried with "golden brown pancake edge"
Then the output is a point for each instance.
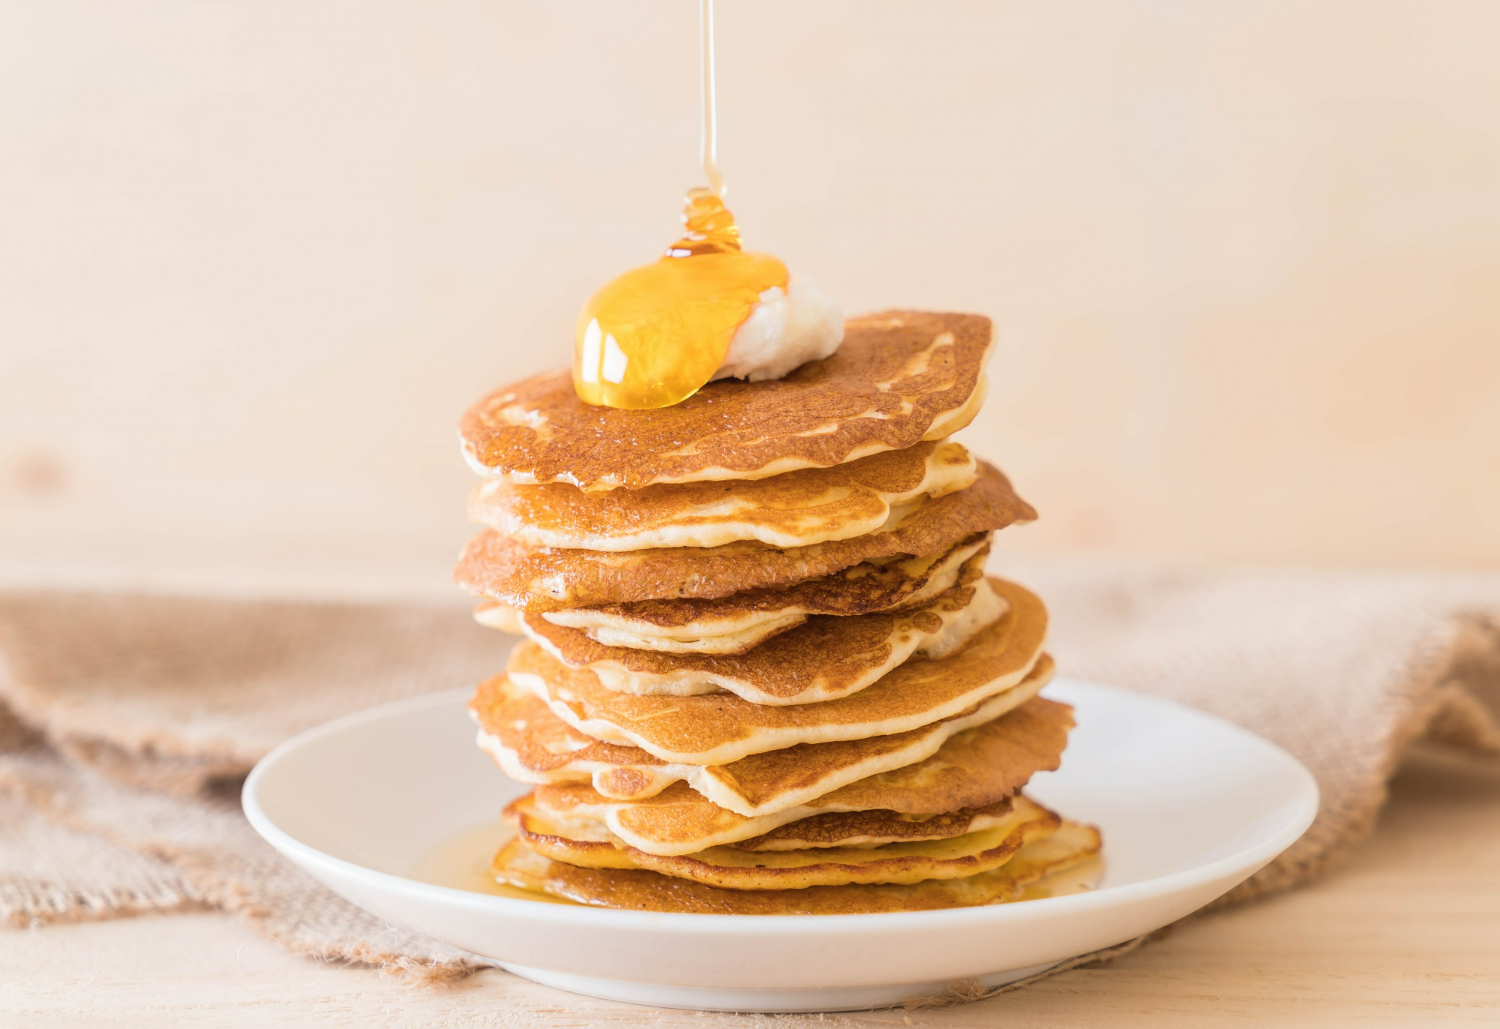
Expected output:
(531, 744)
(824, 658)
(792, 510)
(716, 729)
(550, 579)
(651, 891)
(738, 623)
(978, 766)
(730, 868)
(892, 380)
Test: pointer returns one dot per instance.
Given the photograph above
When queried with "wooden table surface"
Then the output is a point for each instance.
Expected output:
(1406, 933)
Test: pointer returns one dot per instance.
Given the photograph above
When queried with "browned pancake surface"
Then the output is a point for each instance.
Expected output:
(651, 891)
(730, 867)
(533, 745)
(719, 728)
(872, 828)
(796, 509)
(541, 742)
(549, 579)
(977, 767)
(974, 768)
(739, 623)
(860, 589)
(761, 783)
(823, 659)
(895, 375)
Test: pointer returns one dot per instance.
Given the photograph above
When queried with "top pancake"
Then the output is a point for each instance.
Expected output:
(792, 510)
(900, 377)
(550, 578)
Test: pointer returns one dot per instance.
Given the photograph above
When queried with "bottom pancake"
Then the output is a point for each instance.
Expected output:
(638, 890)
(732, 868)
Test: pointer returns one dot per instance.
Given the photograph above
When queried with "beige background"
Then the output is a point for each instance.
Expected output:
(257, 256)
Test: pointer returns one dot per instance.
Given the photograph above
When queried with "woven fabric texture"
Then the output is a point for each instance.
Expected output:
(129, 720)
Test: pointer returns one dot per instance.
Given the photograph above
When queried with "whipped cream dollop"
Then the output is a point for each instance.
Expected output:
(785, 329)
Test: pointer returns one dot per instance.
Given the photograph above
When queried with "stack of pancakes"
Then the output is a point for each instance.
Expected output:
(764, 672)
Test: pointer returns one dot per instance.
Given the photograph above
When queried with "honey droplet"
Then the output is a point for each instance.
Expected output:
(654, 336)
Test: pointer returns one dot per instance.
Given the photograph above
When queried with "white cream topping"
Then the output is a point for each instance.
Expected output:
(784, 330)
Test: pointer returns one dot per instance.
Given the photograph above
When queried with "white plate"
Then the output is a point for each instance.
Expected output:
(1190, 806)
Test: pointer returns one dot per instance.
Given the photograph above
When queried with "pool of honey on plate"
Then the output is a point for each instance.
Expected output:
(1081, 878)
(463, 863)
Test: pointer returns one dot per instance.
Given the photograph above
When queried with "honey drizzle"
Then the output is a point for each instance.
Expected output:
(708, 143)
(711, 229)
(655, 336)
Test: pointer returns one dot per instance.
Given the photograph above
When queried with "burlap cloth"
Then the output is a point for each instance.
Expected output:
(129, 720)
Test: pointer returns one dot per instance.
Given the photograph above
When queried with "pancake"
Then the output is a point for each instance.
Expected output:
(974, 768)
(533, 745)
(899, 378)
(792, 510)
(718, 728)
(551, 579)
(735, 869)
(823, 659)
(874, 828)
(1069, 846)
(735, 624)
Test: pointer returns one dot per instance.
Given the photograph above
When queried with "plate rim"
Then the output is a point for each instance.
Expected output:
(295, 850)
